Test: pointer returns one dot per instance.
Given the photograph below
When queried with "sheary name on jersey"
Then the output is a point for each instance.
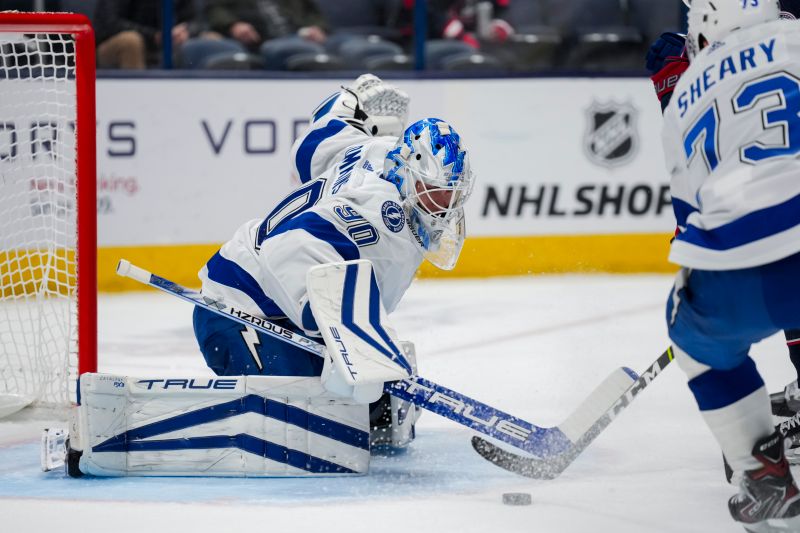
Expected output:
(342, 211)
(746, 59)
(731, 140)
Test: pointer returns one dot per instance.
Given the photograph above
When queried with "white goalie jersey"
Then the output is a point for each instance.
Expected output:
(731, 139)
(342, 211)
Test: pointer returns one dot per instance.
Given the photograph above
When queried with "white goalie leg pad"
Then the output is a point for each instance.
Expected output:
(244, 426)
(362, 350)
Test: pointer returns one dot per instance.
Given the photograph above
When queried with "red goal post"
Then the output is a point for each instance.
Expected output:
(48, 224)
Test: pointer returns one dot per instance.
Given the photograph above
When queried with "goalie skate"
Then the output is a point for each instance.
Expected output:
(54, 449)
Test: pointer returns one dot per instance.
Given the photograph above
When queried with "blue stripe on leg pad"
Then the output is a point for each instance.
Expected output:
(247, 443)
(132, 440)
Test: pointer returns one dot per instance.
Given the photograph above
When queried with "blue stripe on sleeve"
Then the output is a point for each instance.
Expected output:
(226, 272)
(326, 106)
(749, 228)
(682, 210)
(310, 145)
(321, 229)
(720, 388)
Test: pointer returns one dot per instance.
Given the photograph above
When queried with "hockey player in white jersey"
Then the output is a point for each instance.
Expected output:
(372, 190)
(667, 60)
(732, 139)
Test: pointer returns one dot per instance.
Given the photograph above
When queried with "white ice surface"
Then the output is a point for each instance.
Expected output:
(530, 346)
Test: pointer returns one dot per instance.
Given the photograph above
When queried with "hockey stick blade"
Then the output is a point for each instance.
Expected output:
(527, 437)
(551, 467)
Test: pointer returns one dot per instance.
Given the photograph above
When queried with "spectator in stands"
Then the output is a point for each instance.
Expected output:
(399, 15)
(452, 19)
(305, 19)
(128, 32)
(251, 22)
(473, 21)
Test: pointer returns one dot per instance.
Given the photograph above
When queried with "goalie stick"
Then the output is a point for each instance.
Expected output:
(551, 467)
(530, 438)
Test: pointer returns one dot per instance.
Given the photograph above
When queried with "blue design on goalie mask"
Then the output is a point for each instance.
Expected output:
(444, 145)
(431, 170)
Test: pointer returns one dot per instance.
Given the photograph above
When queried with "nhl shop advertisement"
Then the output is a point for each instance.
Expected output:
(551, 156)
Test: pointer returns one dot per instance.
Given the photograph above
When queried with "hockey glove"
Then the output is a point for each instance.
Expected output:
(668, 45)
(382, 107)
(667, 78)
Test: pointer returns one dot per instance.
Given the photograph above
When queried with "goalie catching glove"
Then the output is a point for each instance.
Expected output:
(375, 107)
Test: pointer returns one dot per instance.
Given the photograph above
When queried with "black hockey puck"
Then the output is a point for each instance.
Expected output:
(517, 498)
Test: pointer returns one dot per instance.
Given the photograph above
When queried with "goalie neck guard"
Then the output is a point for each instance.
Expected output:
(431, 169)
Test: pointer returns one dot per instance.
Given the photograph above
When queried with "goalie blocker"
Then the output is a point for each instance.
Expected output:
(363, 352)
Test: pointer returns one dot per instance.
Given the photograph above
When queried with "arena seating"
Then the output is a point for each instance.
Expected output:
(549, 35)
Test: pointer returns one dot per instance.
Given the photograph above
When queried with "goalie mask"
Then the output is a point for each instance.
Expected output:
(711, 21)
(430, 168)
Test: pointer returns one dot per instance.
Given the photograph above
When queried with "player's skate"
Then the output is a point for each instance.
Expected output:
(768, 499)
(787, 402)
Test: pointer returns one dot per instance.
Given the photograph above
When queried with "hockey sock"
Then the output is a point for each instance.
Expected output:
(734, 404)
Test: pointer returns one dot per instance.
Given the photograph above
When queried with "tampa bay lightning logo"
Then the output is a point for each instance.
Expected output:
(393, 216)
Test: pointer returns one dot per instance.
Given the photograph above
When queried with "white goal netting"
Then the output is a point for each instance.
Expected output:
(38, 228)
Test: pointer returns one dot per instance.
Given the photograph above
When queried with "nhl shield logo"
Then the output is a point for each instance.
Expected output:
(611, 138)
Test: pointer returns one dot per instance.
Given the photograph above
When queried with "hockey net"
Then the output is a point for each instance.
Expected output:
(47, 208)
